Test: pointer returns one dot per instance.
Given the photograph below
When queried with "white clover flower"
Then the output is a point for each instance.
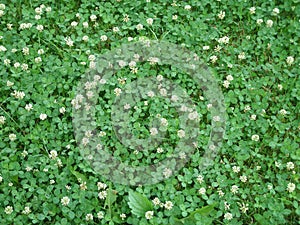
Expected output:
(290, 166)
(290, 60)
(181, 133)
(163, 92)
(12, 137)
(226, 205)
(234, 189)
(226, 83)
(167, 173)
(187, 7)
(85, 38)
(242, 56)
(85, 24)
(224, 40)
(291, 187)
(65, 201)
(102, 194)
(101, 186)
(102, 133)
(37, 59)
(2, 48)
(202, 191)
(18, 94)
(253, 117)
(150, 94)
(6, 62)
(168, 205)
(153, 131)
(200, 179)
(275, 11)
(117, 91)
(126, 18)
(24, 66)
(9, 83)
(53, 154)
(17, 65)
(206, 47)
(247, 108)
(149, 215)
(89, 217)
(283, 112)
(228, 216)
(116, 29)
(159, 150)
(252, 10)
(43, 116)
(174, 17)
(123, 216)
(40, 27)
(255, 137)
(221, 15)
(69, 41)
(244, 208)
(127, 106)
(62, 110)
(2, 6)
(156, 201)
(259, 21)
(236, 169)
(213, 58)
(269, 23)
(229, 78)
(149, 21)
(220, 193)
(243, 178)
(26, 210)
(28, 107)
(25, 51)
(139, 26)
(8, 210)
(93, 18)
(74, 24)
(48, 9)
(100, 215)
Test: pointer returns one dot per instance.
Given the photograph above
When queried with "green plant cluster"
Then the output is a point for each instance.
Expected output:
(252, 49)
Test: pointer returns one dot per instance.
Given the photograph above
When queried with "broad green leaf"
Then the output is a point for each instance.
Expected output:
(260, 219)
(110, 198)
(139, 204)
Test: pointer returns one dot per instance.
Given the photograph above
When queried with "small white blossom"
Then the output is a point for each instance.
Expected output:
(252, 10)
(291, 187)
(153, 131)
(234, 189)
(290, 166)
(168, 205)
(43, 116)
(202, 191)
(255, 137)
(228, 216)
(149, 215)
(123, 216)
(12, 137)
(236, 169)
(259, 21)
(89, 217)
(149, 21)
(269, 23)
(290, 60)
(221, 15)
(181, 133)
(65, 201)
(8, 210)
(139, 27)
(26, 210)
